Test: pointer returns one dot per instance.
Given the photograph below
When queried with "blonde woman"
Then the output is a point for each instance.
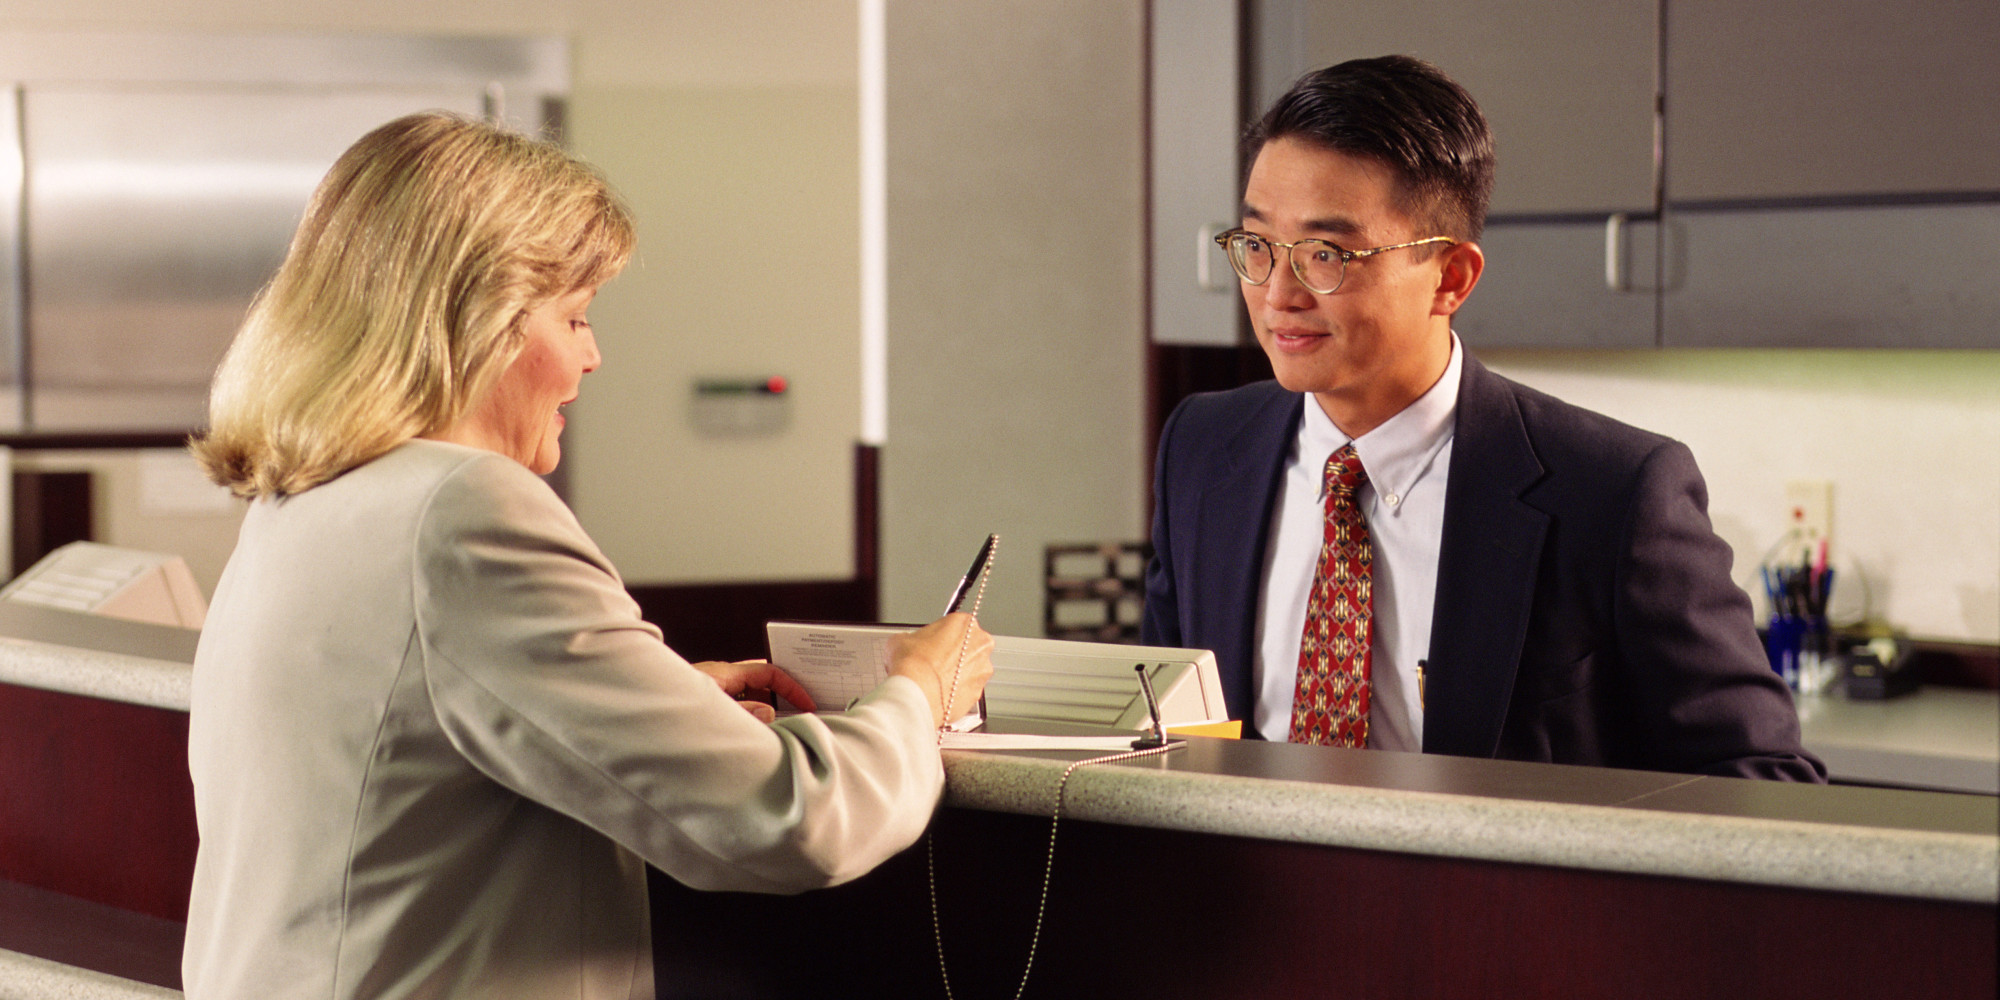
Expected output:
(433, 744)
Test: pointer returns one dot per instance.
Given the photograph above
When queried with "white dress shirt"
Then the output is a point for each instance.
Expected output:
(1407, 459)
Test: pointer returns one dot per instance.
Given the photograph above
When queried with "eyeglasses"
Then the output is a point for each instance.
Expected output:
(1320, 268)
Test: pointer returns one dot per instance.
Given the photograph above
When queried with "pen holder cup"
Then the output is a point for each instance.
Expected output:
(1784, 641)
(1800, 650)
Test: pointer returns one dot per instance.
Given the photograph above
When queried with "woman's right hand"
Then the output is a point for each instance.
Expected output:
(930, 656)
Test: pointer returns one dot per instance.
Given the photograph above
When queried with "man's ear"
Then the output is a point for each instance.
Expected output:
(1463, 264)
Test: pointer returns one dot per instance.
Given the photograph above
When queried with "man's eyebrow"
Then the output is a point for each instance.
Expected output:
(1338, 226)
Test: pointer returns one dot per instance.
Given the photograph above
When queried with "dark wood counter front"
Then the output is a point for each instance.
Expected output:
(1136, 912)
(1437, 904)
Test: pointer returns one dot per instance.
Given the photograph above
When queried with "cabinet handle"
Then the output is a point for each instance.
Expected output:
(1614, 253)
(1204, 253)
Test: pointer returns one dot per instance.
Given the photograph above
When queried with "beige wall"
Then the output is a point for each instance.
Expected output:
(1016, 361)
(1910, 441)
(748, 266)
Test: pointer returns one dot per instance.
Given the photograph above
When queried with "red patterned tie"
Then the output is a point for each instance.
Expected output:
(1330, 703)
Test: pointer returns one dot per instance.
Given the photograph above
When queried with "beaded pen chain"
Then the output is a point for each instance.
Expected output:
(1048, 868)
(1055, 819)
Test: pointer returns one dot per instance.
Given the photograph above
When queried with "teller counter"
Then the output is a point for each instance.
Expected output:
(1246, 869)
(1225, 869)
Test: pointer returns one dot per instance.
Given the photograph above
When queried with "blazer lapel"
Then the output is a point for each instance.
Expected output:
(1233, 527)
(1487, 564)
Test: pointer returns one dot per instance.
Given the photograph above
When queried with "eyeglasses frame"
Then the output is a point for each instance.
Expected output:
(1346, 256)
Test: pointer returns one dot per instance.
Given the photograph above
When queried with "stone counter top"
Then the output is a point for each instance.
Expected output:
(113, 676)
(100, 657)
(28, 976)
(1870, 840)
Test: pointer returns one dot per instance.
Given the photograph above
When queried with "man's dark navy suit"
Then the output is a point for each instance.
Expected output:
(1584, 615)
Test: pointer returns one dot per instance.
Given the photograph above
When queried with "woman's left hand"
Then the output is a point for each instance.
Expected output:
(745, 680)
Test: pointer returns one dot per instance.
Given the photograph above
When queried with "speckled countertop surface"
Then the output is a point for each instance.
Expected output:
(28, 976)
(114, 676)
(1901, 843)
(100, 657)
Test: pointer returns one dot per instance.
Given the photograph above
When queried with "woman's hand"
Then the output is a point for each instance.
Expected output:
(930, 656)
(745, 680)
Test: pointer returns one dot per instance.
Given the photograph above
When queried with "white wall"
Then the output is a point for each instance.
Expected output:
(1016, 354)
(732, 129)
(1909, 440)
(748, 265)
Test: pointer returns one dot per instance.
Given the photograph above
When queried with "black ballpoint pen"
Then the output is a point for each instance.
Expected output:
(964, 588)
(971, 575)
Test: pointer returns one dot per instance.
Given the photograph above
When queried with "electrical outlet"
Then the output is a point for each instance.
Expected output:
(1809, 504)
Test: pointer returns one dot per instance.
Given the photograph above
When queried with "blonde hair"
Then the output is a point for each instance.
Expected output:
(402, 297)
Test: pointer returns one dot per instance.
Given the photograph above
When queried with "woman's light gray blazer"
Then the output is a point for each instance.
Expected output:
(434, 746)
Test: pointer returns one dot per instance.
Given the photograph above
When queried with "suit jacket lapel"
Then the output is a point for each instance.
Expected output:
(1487, 565)
(1234, 524)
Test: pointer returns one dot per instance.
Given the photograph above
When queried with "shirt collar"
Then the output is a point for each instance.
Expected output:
(1399, 452)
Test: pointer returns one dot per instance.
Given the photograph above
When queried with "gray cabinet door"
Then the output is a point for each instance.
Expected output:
(1790, 99)
(1569, 91)
(1831, 174)
(1196, 112)
(1572, 284)
(1567, 87)
(1914, 276)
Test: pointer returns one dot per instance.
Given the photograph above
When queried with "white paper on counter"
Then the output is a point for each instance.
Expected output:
(1030, 741)
(835, 662)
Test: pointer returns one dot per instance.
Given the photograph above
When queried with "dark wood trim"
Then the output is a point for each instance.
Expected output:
(1175, 372)
(1884, 199)
(51, 510)
(1958, 664)
(92, 441)
(867, 513)
(725, 621)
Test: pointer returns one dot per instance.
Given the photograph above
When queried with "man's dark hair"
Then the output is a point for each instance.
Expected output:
(1405, 114)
